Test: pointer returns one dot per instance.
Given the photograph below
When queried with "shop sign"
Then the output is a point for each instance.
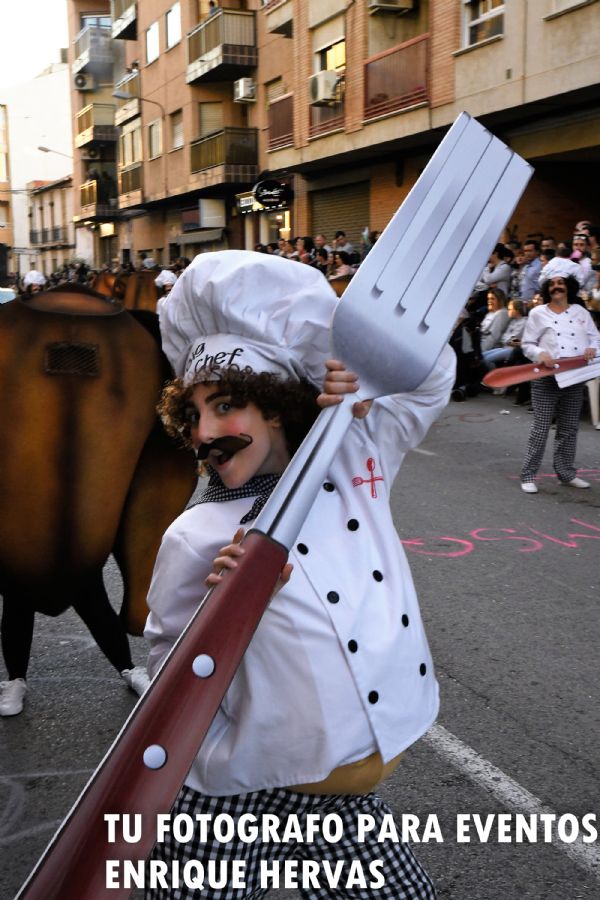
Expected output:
(272, 194)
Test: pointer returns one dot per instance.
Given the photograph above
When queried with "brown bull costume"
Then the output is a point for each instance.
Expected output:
(136, 290)
(85, 470)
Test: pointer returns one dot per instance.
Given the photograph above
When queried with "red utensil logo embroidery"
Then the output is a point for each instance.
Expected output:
(357, 481)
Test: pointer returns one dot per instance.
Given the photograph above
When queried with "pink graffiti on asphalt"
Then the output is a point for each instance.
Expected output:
(521, 542)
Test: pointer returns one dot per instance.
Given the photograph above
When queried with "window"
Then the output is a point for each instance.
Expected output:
(154, 139)
(332, 58)
(152, 46)
(99, 21)
(210, 118)
(131, 143)
(177, 138)
(483, 19)
(173, 23)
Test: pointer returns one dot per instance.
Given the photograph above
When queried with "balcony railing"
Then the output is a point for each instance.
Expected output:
(96, 122)
(326, 118)
(281, 122)
(223, 47)
(397, 78)
(128, 109)
(54, 235)
(93, 49)
(131, 179)
(231, 147)
(88, 199)
(124, 19)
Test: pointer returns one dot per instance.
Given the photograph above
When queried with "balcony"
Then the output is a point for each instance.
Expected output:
(128, 109)
(96, 122)
(398, 78)
(281, 122)
(124, 19)
(93, 51)
(54, 235)
(324, 119)
(279, 17)
(91, 208)
(131, 186)
(223, 47)
(228, 157)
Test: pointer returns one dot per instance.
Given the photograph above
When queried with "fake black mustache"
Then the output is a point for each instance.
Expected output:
(228, 445)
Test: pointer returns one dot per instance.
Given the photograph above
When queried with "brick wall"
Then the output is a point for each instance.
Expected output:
(445, 39)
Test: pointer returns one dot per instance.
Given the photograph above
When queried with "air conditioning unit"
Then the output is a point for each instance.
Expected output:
(88, 154)
(244, 90)
(399, 6)
(83, 81)
(322, 88)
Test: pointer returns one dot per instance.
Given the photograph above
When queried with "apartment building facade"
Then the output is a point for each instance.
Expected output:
(197, 130)
(51, 229)
(6, 229)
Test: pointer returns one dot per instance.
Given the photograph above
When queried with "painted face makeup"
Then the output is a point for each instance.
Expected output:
(238, 443)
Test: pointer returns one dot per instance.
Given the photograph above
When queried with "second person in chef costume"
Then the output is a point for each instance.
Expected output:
(338, 680)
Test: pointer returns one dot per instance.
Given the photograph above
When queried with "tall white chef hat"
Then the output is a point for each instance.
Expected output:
(33, 277)
(165, 277)
(559, 268)
(248, 309)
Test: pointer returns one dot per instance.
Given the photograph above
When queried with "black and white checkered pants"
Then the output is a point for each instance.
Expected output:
(549, 400)
(404, 878)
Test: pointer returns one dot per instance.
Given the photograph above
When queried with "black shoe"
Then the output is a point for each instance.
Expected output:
(459, 395)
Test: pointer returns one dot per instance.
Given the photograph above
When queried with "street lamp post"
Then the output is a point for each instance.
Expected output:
(59, 152)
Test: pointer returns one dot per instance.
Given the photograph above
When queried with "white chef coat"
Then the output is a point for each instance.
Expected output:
(339, 666)
(560, 334)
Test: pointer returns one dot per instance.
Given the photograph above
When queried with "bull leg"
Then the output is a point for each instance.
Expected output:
(17, 634)
(164, 481)
(104, 624)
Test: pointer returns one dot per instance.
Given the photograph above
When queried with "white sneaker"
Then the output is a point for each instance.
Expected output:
(12, 697)
(137, 679)
(577, 483)
(529, 487)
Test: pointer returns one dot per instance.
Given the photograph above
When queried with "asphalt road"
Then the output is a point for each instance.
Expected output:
(509, 590)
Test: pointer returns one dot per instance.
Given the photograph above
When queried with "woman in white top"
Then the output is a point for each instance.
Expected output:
(558, 328)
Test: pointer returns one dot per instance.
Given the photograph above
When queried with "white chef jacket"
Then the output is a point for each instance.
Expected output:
(560, 334)
(339, 666)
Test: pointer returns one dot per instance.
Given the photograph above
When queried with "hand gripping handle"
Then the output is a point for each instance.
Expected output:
(170, 723)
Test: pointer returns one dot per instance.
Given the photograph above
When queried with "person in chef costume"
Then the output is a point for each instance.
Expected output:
(165, 281)
(34, 281)
(338, 680)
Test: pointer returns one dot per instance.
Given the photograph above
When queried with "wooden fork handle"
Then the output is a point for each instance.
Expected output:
(507, 375)
(174, 715)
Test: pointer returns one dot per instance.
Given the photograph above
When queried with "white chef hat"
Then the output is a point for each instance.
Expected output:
(34, 277)
(165, 277)
(248, 309)
(558, 267)
(148, 263)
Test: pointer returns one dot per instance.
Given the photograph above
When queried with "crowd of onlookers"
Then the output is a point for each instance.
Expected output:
(488, 333)
(337, 259)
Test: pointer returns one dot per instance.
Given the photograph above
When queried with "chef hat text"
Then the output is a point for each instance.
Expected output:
(246, 309)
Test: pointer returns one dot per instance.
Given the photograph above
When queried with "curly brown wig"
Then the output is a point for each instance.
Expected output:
(294, 402)
(572, 286)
